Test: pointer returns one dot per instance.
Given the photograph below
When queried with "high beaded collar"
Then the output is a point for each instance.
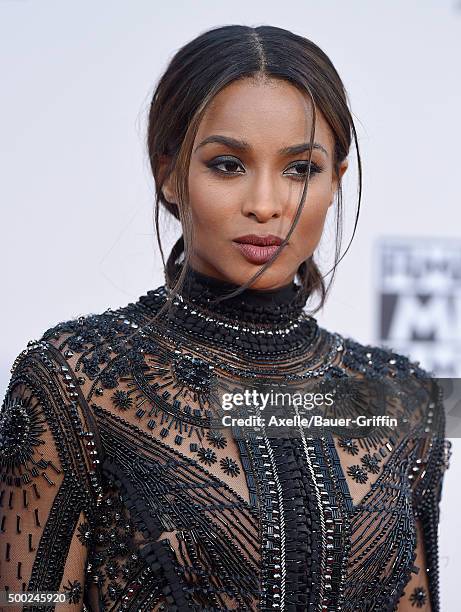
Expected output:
(258, 322)
(278, 306)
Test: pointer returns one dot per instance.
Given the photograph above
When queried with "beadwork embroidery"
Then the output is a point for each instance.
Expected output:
(169, 511)
(418, 597)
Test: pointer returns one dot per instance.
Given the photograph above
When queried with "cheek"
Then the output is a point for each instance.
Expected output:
(210, 204)
(209, 214)
(309, 229)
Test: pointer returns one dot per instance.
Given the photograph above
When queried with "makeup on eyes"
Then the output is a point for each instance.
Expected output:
(226, 159)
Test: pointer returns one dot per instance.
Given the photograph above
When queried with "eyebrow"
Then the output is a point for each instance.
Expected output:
(241, 145)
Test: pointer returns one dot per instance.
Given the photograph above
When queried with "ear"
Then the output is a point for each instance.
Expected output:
(167, 188)
(337, 179)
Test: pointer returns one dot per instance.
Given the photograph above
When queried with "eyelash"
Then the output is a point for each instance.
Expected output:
(213, 165)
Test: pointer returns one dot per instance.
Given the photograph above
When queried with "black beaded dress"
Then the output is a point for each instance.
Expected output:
(119, 488)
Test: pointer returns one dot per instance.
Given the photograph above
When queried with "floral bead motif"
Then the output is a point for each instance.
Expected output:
(357, 473)
(349, 445)
(122, 400)
(112, 570)
(75, 591)
(418, 598)
(207, 455)
(371, 463)
(85, 534)
(229, 466)
(216, 439)
(20, 432)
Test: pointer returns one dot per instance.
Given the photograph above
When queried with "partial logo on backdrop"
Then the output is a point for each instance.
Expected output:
(419, 301)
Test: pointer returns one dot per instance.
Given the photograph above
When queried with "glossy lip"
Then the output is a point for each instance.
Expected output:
(268, 240)
(257, 249)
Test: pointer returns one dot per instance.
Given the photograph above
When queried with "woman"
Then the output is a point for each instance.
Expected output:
(122, 484)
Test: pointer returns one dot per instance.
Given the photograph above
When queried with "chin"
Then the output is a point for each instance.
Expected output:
(270, 279)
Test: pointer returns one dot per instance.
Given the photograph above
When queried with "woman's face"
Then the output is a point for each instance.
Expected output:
(243, 181)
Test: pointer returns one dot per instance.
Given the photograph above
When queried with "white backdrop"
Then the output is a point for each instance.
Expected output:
(75, 190)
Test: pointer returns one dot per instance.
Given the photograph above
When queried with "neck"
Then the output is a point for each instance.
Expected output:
(250, 305)
(260, 324)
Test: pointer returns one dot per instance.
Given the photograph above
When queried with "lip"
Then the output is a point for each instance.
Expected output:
(258, 249)
(268, 240)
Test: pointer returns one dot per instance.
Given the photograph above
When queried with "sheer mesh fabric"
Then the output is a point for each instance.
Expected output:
(45, 498)
(115, 491)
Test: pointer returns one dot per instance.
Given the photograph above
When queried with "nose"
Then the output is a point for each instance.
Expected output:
(263, 201)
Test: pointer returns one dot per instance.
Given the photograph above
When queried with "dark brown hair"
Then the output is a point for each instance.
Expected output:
(196, 73)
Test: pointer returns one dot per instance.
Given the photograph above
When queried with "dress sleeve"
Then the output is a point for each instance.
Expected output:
(49, 483)
(429, 462)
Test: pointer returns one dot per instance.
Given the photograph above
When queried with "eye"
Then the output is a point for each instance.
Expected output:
(303, 166)
(230, 162)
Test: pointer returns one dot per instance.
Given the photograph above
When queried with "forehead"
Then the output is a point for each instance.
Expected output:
(264, 112)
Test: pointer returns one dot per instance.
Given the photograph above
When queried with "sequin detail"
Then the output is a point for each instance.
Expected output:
(111, 454)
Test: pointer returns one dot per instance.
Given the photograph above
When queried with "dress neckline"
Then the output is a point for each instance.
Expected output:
(253, 306)
(267, 324)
